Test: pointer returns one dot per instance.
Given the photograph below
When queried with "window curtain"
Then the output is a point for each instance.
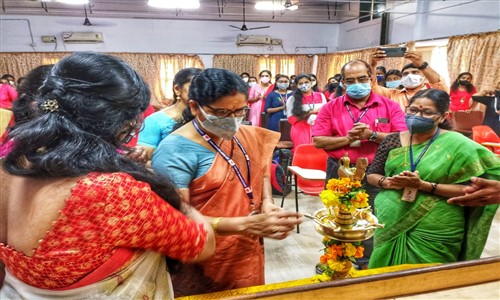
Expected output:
(286, 64)
(238, 63)
(158, 70)
(477, 54)
(253, 64)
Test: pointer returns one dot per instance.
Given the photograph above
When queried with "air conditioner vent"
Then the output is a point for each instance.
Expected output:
(83, 37)
(253, 40)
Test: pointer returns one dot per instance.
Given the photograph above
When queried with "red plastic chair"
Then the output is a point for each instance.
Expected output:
(485, 136)
(307, 156)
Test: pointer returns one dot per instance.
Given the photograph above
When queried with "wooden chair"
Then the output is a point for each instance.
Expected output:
(464, 121)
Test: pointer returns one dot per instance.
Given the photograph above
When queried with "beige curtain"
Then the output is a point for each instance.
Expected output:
(286, 64)
(253, 64)
(238, 63)
(478, 54)
(158, 70)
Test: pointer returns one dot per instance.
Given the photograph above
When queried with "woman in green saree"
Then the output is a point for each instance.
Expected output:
(418, 170)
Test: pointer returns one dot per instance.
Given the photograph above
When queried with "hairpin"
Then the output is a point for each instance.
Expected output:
(50, 105)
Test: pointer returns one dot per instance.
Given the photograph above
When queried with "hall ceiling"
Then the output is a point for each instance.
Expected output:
(309, 11)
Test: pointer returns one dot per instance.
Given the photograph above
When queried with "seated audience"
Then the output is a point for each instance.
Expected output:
(83, 221)
(222, 169)
(417, 171)
(461, 92)
(417, 76)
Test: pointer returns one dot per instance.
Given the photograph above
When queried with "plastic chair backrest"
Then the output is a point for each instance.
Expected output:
(464, 121)
(307, 156)
(285, 127)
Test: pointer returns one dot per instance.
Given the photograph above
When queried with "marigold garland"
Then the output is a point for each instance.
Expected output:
(348, 195)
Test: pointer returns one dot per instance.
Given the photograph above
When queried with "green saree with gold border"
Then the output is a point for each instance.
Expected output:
(430, 230)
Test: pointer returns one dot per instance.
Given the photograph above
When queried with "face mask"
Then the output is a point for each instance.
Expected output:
(341, 85)
(304, 87)
(282, 86)
(313, 83)
(418, 124)
(464, 82)
(380, 78)
(245, 79)
(358, 90)
(225, 128)
(411, 81)
(265, 80)
(334, 85)
(12, 83)
(292, 81)
(251, 84)
(393, 84)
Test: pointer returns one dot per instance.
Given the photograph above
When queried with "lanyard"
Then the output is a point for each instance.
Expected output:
(414, 164)
(360, 116)
(246, 186)
(281, 97)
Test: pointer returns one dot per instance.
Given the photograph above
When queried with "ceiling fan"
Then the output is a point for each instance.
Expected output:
(244, 26)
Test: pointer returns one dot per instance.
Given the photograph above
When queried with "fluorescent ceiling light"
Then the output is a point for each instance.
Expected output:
(73, 1)
(271, 5)
(186, 4)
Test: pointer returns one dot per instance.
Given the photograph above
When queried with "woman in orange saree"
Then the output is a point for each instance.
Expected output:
(222, 169)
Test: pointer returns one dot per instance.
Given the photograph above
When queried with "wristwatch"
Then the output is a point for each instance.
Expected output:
(374, 136)
(423, 66)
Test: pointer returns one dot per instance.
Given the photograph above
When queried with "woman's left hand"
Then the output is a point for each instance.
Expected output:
(408, 179)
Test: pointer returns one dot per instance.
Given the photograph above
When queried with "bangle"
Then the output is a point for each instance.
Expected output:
(434, 187)
(381, 181)
(215, 224)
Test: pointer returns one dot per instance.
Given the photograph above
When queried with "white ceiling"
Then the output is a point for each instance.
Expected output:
(309, 11)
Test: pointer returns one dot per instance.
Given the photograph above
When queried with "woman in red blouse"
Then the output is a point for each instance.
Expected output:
(461, 92)
(80, 220)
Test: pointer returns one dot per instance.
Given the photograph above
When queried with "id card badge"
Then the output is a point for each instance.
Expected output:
(356, 143)
(409, 194)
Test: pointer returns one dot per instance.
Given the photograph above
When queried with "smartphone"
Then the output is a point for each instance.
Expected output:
(394, 52)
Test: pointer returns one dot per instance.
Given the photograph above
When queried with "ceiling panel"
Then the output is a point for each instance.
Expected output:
(309, 11)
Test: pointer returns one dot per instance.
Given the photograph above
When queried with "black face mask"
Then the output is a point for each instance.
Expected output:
(464, 82)
(334, 85)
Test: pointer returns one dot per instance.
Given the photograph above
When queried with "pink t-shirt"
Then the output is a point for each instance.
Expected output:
(382, 115)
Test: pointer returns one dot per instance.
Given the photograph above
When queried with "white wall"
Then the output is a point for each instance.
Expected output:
(434, 19)
(164, 36)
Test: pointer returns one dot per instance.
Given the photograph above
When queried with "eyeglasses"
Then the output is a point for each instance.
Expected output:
(224, 113)
(424, 113)
(362, 79)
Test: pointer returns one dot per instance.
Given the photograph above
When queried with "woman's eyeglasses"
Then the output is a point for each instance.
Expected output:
(224, 113)
(424, 113)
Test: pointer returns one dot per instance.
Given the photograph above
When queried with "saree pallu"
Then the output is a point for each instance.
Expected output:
(145, 278)
(239, 260)
(430, 230)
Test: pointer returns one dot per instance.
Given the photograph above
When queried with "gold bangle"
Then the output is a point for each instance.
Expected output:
(215, 224)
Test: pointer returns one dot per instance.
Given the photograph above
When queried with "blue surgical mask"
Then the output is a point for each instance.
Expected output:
(393, 84)
(304, 87)
(418, 124)
(380, 78)
(225, 128)
(282, 86)
(358, 90)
